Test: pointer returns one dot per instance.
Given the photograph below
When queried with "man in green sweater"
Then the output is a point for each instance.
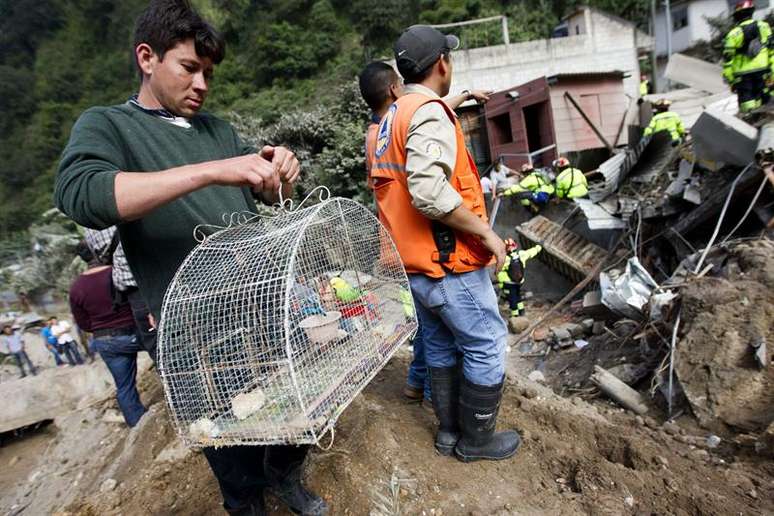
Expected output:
(156, 167)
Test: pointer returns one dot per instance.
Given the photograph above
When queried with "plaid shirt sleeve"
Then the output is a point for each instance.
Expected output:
(99, 242)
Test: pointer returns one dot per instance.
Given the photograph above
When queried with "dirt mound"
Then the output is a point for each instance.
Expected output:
(723, 317)
(574, 460)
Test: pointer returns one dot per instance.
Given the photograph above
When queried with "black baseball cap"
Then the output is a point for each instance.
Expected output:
(420, 46)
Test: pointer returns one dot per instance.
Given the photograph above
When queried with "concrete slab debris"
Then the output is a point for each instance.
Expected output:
(764, 151)
(54, 392)
(721, 137)
(678, 186)
(695, 73)
(761, 353)
(599, 218)
(692, 194)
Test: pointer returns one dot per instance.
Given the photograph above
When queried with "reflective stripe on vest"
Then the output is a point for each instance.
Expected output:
(412, 231)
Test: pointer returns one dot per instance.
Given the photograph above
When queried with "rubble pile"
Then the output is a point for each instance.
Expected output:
(678, 322)
(728, 324)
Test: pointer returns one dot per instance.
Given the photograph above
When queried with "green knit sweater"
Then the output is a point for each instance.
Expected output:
(106, 140)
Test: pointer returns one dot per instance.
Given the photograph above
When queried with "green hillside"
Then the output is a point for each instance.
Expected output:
(287, 78)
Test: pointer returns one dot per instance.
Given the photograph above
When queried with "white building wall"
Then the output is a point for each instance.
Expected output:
(698, 29)
(697, 17)
(608, 45)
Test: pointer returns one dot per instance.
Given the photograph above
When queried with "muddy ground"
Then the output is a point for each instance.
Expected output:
(577, 458)
(581, 454)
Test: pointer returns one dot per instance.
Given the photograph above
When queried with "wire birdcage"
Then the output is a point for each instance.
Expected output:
(272, 325)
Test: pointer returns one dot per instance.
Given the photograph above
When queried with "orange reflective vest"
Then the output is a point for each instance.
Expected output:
(412, 231)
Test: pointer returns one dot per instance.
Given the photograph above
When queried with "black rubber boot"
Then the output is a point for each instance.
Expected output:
(256, 507)
(292, 492)
(445, 389)
(479, 405)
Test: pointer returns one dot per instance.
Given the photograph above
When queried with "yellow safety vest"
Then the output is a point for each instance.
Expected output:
(668, 121)
(571, 184)
(737, 60)
(503, 277)
(534, 182)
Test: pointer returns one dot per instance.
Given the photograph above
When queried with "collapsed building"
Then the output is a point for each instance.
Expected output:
(659, 267)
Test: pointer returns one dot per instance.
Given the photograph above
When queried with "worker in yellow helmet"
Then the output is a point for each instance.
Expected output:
(570, 182)
(511, 276)
(534, 190)
(667, 121)
(747, 57)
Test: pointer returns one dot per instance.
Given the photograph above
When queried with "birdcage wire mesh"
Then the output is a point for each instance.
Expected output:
(272, 325)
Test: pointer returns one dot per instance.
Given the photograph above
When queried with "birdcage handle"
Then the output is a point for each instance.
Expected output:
(287, 205)
(230, 220)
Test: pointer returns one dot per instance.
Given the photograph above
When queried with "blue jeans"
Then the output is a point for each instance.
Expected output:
(22, 360)
(459, 313)
(70, 351)
(417, 373)
(52, 349)
(120, 356)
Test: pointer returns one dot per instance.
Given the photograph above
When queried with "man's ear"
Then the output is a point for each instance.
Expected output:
(395, 91)
(443, 66)
(146, 58)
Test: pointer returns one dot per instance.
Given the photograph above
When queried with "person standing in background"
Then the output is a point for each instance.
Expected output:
(13, 343)
(115, 335)
(67, 345)
(51, 342)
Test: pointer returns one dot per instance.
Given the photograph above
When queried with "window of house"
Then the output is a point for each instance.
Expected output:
(502, 128)
(679, 18)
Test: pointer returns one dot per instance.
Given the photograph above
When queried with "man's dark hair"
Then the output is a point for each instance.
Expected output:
(165, 23)
(424, 74)
(375, 81)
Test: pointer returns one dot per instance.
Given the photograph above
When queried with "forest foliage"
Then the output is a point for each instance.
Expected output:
(288, 76)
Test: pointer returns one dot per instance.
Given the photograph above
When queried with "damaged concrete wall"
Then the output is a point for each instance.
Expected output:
(721, 137)
(610, 45)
